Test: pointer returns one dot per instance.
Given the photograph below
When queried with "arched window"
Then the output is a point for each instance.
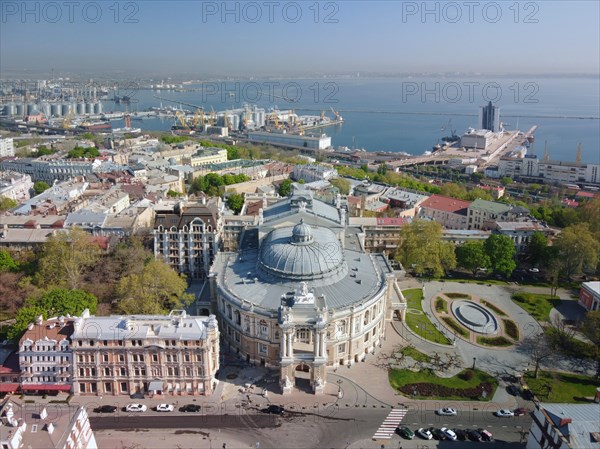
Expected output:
(366, 318)
(229, 314)
(237, 317)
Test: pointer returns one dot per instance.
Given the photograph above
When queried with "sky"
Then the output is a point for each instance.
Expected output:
(296, 38)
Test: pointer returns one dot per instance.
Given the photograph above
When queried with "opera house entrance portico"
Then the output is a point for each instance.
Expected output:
(301, 295)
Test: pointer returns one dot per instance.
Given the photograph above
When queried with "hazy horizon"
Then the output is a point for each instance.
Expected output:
(157, 38)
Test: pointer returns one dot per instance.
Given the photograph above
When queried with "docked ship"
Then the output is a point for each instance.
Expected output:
(95, 126)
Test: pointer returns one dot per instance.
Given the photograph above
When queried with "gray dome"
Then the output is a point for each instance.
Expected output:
(302, 233)
(302, 253)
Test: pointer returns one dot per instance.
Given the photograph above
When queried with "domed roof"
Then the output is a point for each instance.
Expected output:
(302, 233)
(302, 253)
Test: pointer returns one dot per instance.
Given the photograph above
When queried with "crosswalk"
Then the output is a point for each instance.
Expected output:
(388, 427)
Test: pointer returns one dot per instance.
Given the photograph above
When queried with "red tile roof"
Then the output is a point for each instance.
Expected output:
(392, 221)
(586, 194)
(446, 204)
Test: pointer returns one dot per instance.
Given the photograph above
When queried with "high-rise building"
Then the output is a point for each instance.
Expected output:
(489, 117)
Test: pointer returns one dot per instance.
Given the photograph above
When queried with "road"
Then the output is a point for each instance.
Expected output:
(342, 428)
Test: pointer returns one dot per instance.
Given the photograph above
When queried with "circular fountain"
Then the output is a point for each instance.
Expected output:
(475, 317)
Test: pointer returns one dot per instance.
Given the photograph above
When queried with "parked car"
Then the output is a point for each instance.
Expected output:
(521, 411)
(136, 408)
(164, 408)
(405, 433)
(105, 409)
(504, 413)
(190, 408)
(137, 395)
(513, 390)
(461, 434)
(485, 435)
(437, 434)
(274, 409)
(527, 394)
(449, 433)
(424, 433)
(474, 435)
(446, 411)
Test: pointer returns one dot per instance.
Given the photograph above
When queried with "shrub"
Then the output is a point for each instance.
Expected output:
(455, 326)
(491, 306)
(458, 295)
(511, 329)
(494, 341)
(429, 389)
(467, 374)
(441, 305)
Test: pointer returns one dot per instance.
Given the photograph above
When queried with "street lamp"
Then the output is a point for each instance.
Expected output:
(340, 393)
(474, 359)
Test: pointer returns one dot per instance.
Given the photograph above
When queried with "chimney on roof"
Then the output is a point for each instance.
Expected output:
(39, 320)
(565, 421)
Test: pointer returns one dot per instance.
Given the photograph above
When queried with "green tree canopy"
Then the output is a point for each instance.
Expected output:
(591, 329)
(7, 263)
(537, 249)
(157, 290)
(235, 202)
(66, 258)
(501, 252)
(7, 203)
(422, 250)
(343, 185)
(578, 249)
(285, 188)
(40, 187)
(80, 152)
(472, 255)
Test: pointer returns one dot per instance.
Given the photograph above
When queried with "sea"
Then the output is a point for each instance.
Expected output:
(409, 114)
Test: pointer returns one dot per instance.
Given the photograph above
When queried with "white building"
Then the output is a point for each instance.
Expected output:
(307, 142)
(313, 172)
(15, 186)
(45, 355)
(555, 171)
(7, 147)
(477, 139)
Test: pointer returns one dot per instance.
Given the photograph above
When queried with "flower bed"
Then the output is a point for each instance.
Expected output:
(511, 329)
(491, 306)
(441, 305)
(455, 326)
(494, 341)
(458, 295)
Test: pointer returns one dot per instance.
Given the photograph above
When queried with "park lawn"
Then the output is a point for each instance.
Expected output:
(565, 387)
(535, 304)
(401, 377)
(420, 323)
(415, 354)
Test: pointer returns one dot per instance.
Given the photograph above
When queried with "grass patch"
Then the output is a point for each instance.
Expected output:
(429, 386)
(419, 323)
(570, 345)
(494, 341)
(511, 329)
(491, 306)
(455, 326)
(455, 295)
(409, 351)
(441, 305)
(551, 386)
(537, 305)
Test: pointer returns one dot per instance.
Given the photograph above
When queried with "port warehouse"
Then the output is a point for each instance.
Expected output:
(321, 142)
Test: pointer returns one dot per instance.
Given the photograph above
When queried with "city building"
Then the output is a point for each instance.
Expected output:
(305, 142)
(380, 234)
(205, 156)
(521, 232)
(589, 296)
(301, 295)
(313, 172)
(187, 237)
(45, 355)
(156, 354)
(532, 168)
(565, 426)
(476, 139)
(489, 117)
(449, 212)
(15, 186)
(482, 213)
(50, 170)
(7, 147)
(23, 426)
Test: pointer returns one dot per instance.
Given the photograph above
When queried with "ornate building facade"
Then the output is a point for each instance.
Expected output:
(301, 294)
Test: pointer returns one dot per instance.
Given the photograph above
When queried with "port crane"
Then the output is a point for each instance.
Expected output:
(179, 102)
(66, 124)
(180, 116)
(336, 114)
(211, 120)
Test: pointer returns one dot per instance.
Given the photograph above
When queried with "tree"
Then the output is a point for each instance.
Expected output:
(40, 187)
(578, 249)
(478, 192)
(343, 185)
(537, 248)
(7, 203)
(501, 252)
(505, 181)
(235, 202)
(157, 290)
(285, 188)
(61, 301)
(453, 190)
(538, 349)
(422, 250)
(7, 263)
(66, 258)
(591, 329)
(472, 256)
(24, 317)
